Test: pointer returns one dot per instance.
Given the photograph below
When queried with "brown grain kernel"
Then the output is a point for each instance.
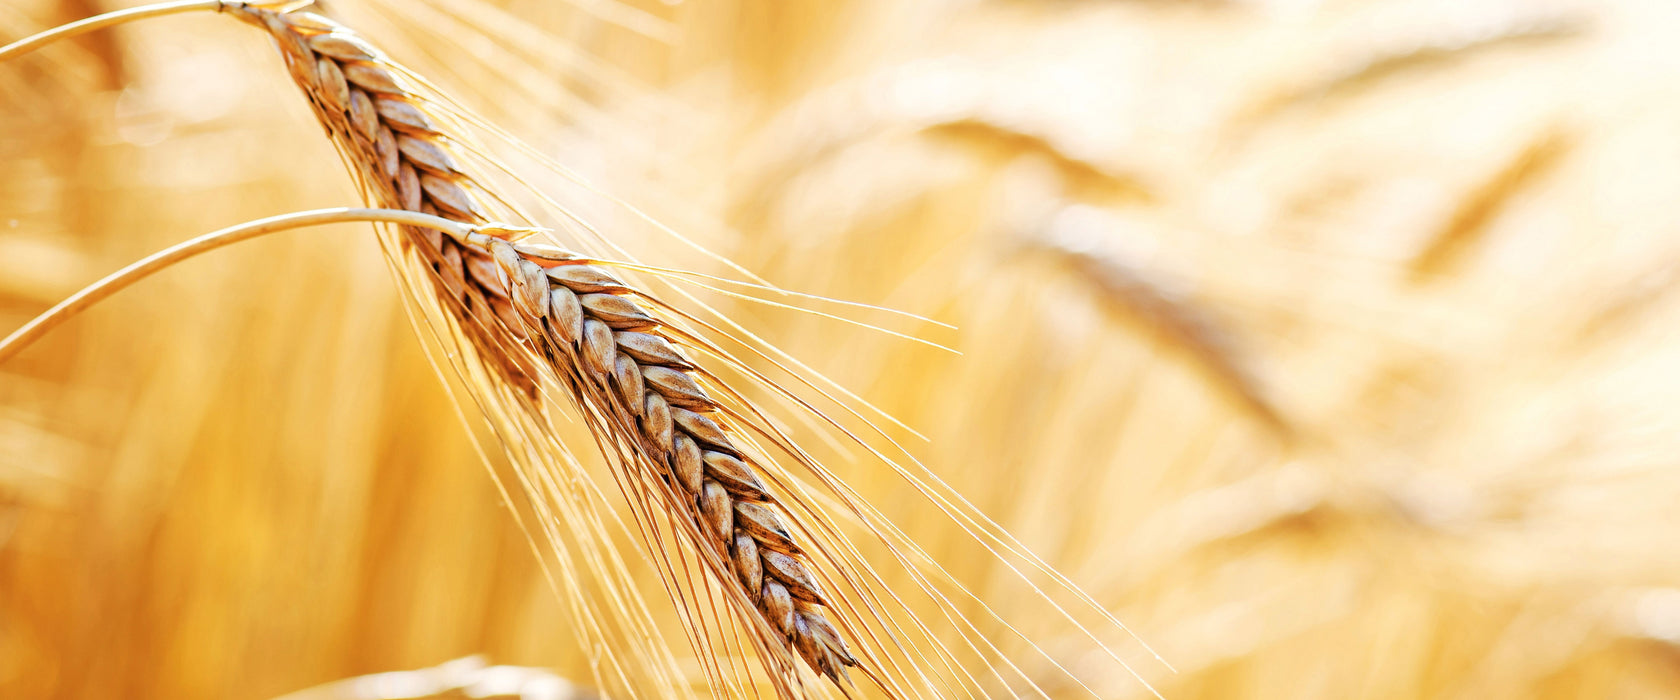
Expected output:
(677, 386)
(616, 311)
(765, 526)
(565, 316)
(656, 422)
(688, 463)
(629, 382)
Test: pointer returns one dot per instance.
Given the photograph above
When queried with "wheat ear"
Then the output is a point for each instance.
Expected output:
(615, 355)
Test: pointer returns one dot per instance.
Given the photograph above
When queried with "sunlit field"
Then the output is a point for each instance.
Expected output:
(1088, 349)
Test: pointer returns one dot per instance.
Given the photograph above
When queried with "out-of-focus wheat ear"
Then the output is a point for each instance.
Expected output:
(465, 677)
(1478, 208)
(1133, 293)
(1377, 59)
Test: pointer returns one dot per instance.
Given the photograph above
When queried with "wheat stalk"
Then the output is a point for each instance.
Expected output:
(615, 355)
(164, 259)
(109, 19)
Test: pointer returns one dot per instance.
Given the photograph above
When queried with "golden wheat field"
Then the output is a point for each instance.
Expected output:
(844, 348)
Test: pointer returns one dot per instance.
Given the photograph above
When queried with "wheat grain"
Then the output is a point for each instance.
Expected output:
(615, 356)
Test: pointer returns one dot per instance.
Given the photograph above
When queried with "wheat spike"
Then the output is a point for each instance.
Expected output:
(615, 356)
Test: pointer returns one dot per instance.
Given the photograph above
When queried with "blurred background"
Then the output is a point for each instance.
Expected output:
(1330, 344)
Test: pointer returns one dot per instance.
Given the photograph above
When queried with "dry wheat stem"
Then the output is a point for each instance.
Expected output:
(31, 43)
(163, 259)
(524, 302)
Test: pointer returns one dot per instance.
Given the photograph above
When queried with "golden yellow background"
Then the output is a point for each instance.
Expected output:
(1372, 396)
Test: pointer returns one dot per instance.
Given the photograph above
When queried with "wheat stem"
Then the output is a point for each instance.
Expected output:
(109, 19)
(121, 279)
